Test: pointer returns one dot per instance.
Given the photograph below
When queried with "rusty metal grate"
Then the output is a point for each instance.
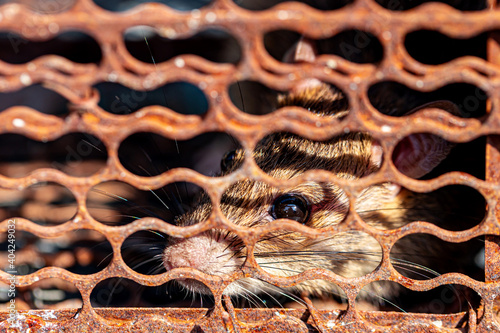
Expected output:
(74, 81)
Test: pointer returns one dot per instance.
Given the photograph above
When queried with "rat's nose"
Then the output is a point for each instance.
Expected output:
(176, 260)
(201, 252)
(198, 252)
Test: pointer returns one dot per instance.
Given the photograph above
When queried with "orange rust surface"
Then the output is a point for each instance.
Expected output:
(74, 82)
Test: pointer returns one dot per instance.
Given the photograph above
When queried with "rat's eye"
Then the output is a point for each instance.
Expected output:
(291, 206)
(228, 160)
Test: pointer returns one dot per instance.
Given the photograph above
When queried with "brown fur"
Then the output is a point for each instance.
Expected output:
(284, 156)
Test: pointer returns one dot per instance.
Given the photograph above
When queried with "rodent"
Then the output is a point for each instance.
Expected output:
(284, 156)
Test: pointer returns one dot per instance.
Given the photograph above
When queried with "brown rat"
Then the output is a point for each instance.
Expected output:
(317, 205)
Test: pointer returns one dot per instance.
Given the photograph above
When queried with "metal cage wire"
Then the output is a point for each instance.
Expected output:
(74, 81)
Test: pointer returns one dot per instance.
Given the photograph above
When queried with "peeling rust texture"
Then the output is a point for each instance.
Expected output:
(74, 82)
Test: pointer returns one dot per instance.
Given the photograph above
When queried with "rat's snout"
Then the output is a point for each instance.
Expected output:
(202, 252)
(171, 261)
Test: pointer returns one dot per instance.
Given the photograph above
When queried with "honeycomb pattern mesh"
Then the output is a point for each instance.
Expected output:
(74, 81)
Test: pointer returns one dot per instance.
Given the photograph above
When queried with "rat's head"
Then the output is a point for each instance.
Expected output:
(251, 203)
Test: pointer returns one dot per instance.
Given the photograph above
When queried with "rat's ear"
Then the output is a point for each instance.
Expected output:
(417, 154)
(302, 51)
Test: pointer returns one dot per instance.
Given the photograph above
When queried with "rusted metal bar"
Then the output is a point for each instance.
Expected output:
(492, 245)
